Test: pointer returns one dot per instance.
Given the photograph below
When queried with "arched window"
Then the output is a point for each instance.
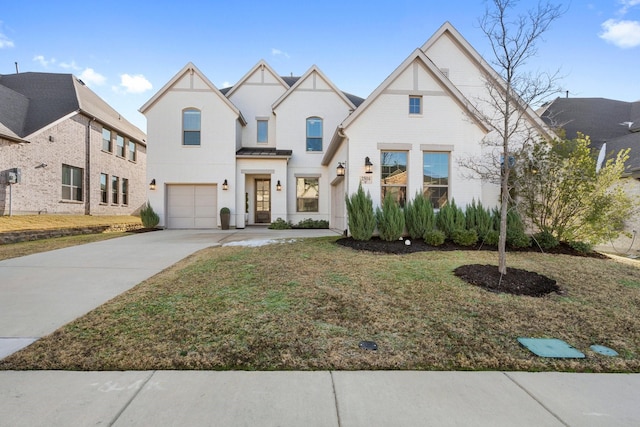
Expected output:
(191, 127)
(314, 134)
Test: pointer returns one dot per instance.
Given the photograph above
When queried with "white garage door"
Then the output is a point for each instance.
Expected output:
(192, 206)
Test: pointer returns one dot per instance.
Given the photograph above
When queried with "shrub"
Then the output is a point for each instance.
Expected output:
(362, 219)
(419, 216)
(546, 240)
(478, 218)
(312, 223)
(464, 237)
(390, 219)
(434, 238)
(149, 218)
(449, 218)
(280, 224)
(225, 211)
(582, 247)
(516, 235)
(491, 238)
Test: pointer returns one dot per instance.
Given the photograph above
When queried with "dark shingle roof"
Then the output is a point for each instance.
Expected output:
(604, 120)
(32, 101)
(263, 152)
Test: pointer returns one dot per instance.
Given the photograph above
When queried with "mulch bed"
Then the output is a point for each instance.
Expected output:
(516, 281)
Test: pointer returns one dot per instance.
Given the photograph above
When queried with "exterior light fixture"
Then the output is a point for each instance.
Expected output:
(152, 184)
(368, 165)
(225, 185)
(279, 186)
(340, 169)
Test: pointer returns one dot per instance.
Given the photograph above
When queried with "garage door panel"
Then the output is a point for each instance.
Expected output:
(192, 206)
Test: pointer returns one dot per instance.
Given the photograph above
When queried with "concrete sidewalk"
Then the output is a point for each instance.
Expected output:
(40, 293)
(346, 399)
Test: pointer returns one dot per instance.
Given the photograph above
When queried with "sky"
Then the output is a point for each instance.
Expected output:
(126, 51)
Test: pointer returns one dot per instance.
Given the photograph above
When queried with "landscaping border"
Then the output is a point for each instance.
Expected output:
(30, 235)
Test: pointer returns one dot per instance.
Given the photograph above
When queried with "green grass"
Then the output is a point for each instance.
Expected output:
(306, 305)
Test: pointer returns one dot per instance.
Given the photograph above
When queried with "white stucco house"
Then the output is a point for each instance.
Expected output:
(291, 147)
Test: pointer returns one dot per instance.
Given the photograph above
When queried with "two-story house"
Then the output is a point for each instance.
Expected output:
(292, 147)
(63, 150)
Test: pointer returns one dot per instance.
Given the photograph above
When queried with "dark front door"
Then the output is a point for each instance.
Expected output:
(263, 201)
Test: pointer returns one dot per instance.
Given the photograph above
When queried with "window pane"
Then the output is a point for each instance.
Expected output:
(439, 196)
(77, 177)
(132, 151)
(263, 130)
(114, 189)
(191, 120)
(125, 191)
(414, 104)
(66, 175)
(393, 167)
(436, 168)
(307, 194)
(314, 144)
(66, 193)
(314, 134)
(106, 139)
(191, 138)
(120, 145)
(399, 194)
(103, 188)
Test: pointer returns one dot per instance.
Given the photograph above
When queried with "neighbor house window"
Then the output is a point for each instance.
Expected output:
(132, 151)
(393, 179)
(191, 127)
(415, 105)
(104, 191)
(71, 183)
(307, 193)
(314, 134)
(115, 183)
(120, 145)
(125, 191)
(106, 140)
(263, 131)
(436, 178)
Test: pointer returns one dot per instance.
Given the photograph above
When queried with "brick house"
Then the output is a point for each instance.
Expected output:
(63, 150)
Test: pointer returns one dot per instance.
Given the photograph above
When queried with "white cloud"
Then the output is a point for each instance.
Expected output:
(278, 52)
(5, 42)
(44, 62)
(135, 83)
(624, 34)
(69, 65)
(628, 4)
(91, 77)
(226, 84)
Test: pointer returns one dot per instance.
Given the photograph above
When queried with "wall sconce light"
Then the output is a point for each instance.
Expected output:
(225, 185)
(152, 184)
(367, 165)
(279, 186)
(340, 169)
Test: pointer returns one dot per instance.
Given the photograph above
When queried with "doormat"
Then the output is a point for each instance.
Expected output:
(550, 347)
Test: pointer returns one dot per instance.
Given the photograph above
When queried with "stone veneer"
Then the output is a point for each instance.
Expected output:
(29, 235)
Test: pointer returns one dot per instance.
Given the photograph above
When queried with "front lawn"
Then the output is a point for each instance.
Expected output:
(306, 305)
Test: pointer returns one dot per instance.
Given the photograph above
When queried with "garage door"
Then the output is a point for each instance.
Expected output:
(192, 206)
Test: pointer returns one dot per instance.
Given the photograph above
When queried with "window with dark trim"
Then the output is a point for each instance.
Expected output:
(393, 175)
(71, 183)
(415, 105)
(435, 183)
(104, 192)
(314, 134)
(115, 183)
(307, 194)
(191, 127)
(125, 191)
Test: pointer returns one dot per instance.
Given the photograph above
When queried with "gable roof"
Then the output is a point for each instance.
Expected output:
(191, 68)
(314, 69)
(32, 101)
(262, 64)
(447, 29)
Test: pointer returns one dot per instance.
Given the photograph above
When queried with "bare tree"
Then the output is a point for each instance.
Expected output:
(510, 90)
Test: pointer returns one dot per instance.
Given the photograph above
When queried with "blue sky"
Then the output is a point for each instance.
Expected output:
(127, 50)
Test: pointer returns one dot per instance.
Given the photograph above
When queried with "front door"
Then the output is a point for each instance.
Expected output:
(263, 201)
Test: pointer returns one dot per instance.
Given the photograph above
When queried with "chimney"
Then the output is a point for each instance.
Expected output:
(17, 71)
(567, 94)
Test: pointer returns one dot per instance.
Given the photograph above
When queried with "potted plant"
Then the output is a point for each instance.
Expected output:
(225, 216)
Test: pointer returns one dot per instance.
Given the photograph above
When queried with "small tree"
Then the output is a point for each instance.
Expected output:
(563, 193)
(419, 216)
(362, 221)
(390, 219)
(149, 218)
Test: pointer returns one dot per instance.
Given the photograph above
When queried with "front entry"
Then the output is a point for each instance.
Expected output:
(263, 201)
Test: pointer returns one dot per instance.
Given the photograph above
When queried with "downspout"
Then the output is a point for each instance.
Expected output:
(87, 168)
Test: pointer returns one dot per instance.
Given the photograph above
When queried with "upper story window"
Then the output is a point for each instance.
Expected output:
(120, 145)
(415, 105)
(263, 130)
(132, 151)
(393, 171)
(71, 183)
(314, 134)
(106, 139)
(191, 127)
(435, 182)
